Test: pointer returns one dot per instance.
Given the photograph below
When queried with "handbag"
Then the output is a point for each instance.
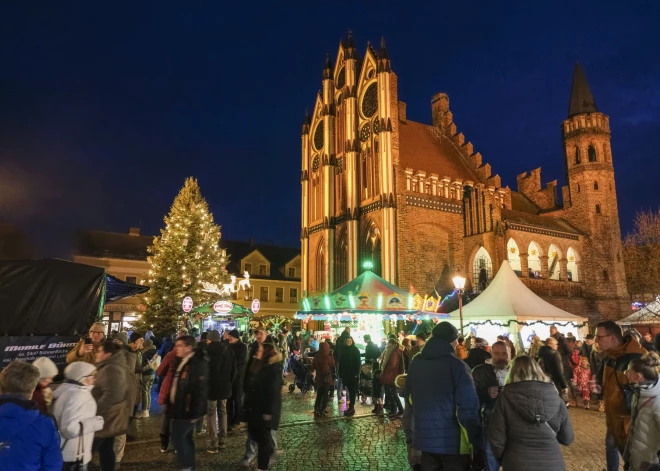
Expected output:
(78, 464)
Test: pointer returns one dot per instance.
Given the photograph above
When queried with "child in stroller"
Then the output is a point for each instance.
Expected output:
(304, 379)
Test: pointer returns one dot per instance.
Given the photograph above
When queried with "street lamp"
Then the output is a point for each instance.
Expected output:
(459, 284)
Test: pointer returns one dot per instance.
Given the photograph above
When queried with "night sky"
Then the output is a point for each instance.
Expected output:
(105, 110)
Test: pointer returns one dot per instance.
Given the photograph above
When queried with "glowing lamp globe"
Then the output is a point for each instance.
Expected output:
(459, 282)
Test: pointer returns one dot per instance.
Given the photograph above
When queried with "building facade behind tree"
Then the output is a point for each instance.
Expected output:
(420, 203)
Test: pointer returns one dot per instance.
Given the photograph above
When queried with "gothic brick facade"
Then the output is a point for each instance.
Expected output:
(417, 199)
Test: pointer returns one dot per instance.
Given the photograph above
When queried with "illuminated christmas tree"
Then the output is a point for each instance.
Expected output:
(185, 256)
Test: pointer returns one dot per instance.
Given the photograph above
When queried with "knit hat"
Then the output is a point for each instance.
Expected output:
(46, 367)
(77, 370)
(148, 344)
(234, 333)
(214, 336)
(97, 326)
(135, 336)
(446, 331)
(421, 336)
(121, 337)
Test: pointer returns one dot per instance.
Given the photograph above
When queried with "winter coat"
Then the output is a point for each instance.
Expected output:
(393, 368)
(461, 352)
(566, 353)
(87, 357)
(239, 349)
(585, 350)
(341, 343)
(39, 398)
(324, 366)
(596, 363)
(74, 405)
(477, 356)
(222, 371)
(29, 439)
(296, 344)
(250, 358)
(484, 378)
(349, 368)
(114, 395)
(263, 394)
(166, 348)
(134, 365)
(371, 352)
(166, 372)
(443, 398)
(617, 415)
(190, 387)
(645, 438)
(551, 362)
(147, 356)
(528, 423)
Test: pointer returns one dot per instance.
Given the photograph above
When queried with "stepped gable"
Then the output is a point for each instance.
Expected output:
(423, 147)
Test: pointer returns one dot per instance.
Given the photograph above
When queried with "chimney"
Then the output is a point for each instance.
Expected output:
(134, 231)
(402, 111)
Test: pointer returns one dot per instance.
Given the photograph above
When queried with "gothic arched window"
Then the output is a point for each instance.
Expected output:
(577, 155)
(592, 153)
(597, 209)
(595, 185)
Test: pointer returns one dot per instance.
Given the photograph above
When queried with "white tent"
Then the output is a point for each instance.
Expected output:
(649, 315)
(508, 299)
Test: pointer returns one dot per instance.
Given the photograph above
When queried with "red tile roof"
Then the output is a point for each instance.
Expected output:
(545, 222)
(420, 148)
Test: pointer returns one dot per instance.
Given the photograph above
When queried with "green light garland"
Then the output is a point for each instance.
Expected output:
(525, 324)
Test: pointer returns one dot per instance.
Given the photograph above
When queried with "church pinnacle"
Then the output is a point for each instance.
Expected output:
(327, 70)
(582, 101)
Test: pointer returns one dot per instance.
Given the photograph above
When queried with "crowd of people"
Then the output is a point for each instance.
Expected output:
(491, 408)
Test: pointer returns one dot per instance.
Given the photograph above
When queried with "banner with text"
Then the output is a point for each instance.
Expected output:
(29, 349)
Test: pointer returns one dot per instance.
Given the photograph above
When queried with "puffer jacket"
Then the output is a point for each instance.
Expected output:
(615, 364)
(190, 387)
(31, 438)
(443, 398)
(114, 395)
(645, 439)
(393, 368)
(552, 364)
(528, 423)
(74, 406)
(166, 372)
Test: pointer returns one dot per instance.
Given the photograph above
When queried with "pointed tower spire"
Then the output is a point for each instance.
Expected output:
(307, 122)
(383, 50)
(350, 42)
(582, 101)
(327, 71)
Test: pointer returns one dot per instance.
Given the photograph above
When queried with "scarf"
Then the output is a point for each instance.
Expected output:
(175, 380)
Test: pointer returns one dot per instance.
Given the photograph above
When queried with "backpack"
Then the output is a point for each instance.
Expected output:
(154, 363)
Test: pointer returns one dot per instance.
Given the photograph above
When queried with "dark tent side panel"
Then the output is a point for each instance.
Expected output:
(49, 297)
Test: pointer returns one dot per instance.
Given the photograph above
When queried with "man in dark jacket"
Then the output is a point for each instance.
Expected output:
(188, 396)
(587, 346)
(551, 362)
(222, 374)
(441, 408)
(28, 439)
(341, 343)
(371, 351)
(421, 340)
(235, 403)
(489, 380)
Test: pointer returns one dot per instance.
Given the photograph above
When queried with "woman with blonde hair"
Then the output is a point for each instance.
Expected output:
(529, 421)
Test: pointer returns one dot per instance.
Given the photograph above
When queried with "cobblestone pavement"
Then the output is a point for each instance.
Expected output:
(361, 443)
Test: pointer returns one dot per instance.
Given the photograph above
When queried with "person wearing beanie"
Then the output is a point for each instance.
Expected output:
(222, 374)
(235, 402)
(75, 412)
(43, 395)
(441, 409)
(86, 348)
(121, 338)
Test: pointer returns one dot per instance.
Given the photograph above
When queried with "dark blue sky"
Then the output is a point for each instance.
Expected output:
(104, 110)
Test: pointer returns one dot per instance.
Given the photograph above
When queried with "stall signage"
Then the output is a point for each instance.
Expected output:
(223, 307)
(187, 304)
(256, 305)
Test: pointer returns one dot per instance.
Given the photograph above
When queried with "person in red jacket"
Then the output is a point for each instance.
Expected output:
(165, 372)
(392, 366)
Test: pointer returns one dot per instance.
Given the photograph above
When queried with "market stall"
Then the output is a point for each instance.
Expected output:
(645, 320)
(508, 307)
(220, 316)
(369, 305)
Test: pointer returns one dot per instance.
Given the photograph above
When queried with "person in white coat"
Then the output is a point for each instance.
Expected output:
(74, 408)
(644, 439)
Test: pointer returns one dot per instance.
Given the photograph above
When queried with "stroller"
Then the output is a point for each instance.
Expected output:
(365, 382)
(304, 379)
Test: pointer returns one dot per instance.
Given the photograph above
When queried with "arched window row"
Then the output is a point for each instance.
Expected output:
(534, 266)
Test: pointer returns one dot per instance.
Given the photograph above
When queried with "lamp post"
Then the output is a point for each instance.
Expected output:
(459, 284)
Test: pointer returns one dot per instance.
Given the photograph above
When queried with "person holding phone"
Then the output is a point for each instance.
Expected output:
(85, 350)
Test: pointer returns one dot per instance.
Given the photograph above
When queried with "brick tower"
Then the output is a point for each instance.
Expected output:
(590, 202)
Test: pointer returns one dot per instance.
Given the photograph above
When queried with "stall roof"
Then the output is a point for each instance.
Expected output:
(506, 297)
(649, 314)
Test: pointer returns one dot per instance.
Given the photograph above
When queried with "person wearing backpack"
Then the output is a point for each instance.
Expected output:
(74, 409)
(619, 352)
(222, 373)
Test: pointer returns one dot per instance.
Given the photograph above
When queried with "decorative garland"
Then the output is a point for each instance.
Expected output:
(526, 324)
